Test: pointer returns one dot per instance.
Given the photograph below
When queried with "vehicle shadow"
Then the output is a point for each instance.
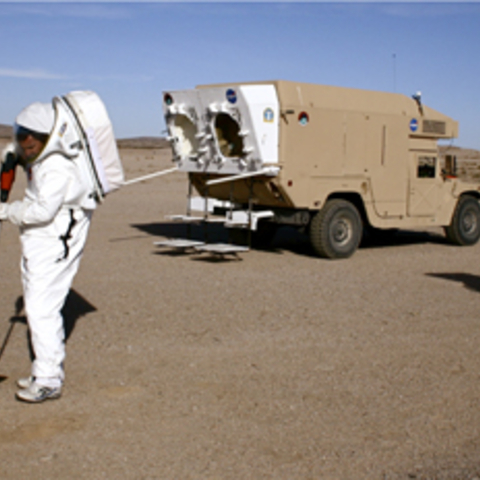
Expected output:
(472, 282)
(289, 238)
(286, 238)
(382, 239)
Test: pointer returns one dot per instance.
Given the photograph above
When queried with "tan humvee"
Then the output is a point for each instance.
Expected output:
(335, 161)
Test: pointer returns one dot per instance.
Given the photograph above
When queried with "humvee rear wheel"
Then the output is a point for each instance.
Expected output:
(336, 230)
(465, 226)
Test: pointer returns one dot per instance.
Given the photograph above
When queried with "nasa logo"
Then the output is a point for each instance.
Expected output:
(231, 95)
(268, 115)
(303, 118)
(413, 125)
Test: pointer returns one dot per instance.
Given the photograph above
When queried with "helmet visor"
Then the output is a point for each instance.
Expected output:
(29, 144)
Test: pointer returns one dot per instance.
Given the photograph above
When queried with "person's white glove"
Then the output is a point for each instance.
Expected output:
(3, 211)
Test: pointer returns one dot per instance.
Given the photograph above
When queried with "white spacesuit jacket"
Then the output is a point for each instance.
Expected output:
(54, 230)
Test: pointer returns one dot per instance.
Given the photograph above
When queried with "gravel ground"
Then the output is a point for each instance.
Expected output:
(277, 366)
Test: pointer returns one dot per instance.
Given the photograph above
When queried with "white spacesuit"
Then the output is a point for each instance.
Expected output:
(54, 219)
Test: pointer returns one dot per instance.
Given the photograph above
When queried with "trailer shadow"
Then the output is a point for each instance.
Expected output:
(286, 238)
(212, 232)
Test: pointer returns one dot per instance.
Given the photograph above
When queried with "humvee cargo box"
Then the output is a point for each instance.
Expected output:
(334, 161)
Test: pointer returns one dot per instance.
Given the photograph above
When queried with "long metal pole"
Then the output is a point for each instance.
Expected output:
(7, 336)
(151, 175)
(394, 72)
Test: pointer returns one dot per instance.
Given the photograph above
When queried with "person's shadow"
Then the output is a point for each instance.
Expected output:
(75, 307)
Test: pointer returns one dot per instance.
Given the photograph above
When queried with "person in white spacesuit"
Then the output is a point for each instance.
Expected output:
(53, 231)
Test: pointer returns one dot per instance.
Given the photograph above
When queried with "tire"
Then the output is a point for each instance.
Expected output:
(465, 226)
(336, 230)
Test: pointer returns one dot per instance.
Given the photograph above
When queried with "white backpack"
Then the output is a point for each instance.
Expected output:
(91, 118)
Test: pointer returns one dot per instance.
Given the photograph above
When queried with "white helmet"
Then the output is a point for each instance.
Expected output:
(37, 117)
(36, 120)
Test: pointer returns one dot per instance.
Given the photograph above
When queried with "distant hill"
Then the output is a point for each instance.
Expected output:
(468, 162)
(461, 153)
(6, 131)
(143, 142)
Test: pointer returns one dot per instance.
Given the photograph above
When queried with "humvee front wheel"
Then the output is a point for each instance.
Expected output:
(336, 230)
(465, 226)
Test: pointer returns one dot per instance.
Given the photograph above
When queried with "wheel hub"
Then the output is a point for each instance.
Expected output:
(470, 222)
(342, 231)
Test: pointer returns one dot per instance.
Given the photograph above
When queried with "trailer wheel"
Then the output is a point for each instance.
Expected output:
(465, 226)
(336, 230)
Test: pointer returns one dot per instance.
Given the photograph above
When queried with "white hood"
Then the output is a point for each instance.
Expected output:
(47, 118)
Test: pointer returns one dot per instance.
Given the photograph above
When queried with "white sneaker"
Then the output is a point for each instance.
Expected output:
(25, 382)
(36, 393)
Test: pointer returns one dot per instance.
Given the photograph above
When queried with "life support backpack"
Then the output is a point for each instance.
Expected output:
(102, 166)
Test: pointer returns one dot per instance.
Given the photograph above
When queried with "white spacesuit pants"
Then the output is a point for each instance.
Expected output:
(49, 264)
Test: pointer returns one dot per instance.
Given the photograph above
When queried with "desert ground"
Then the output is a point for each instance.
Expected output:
(277, 365)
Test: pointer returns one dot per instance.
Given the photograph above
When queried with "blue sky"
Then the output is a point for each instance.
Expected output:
(130, 52)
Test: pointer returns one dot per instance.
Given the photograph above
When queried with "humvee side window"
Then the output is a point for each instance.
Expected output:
(426, 167)
(184, 130)
(230, 143)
